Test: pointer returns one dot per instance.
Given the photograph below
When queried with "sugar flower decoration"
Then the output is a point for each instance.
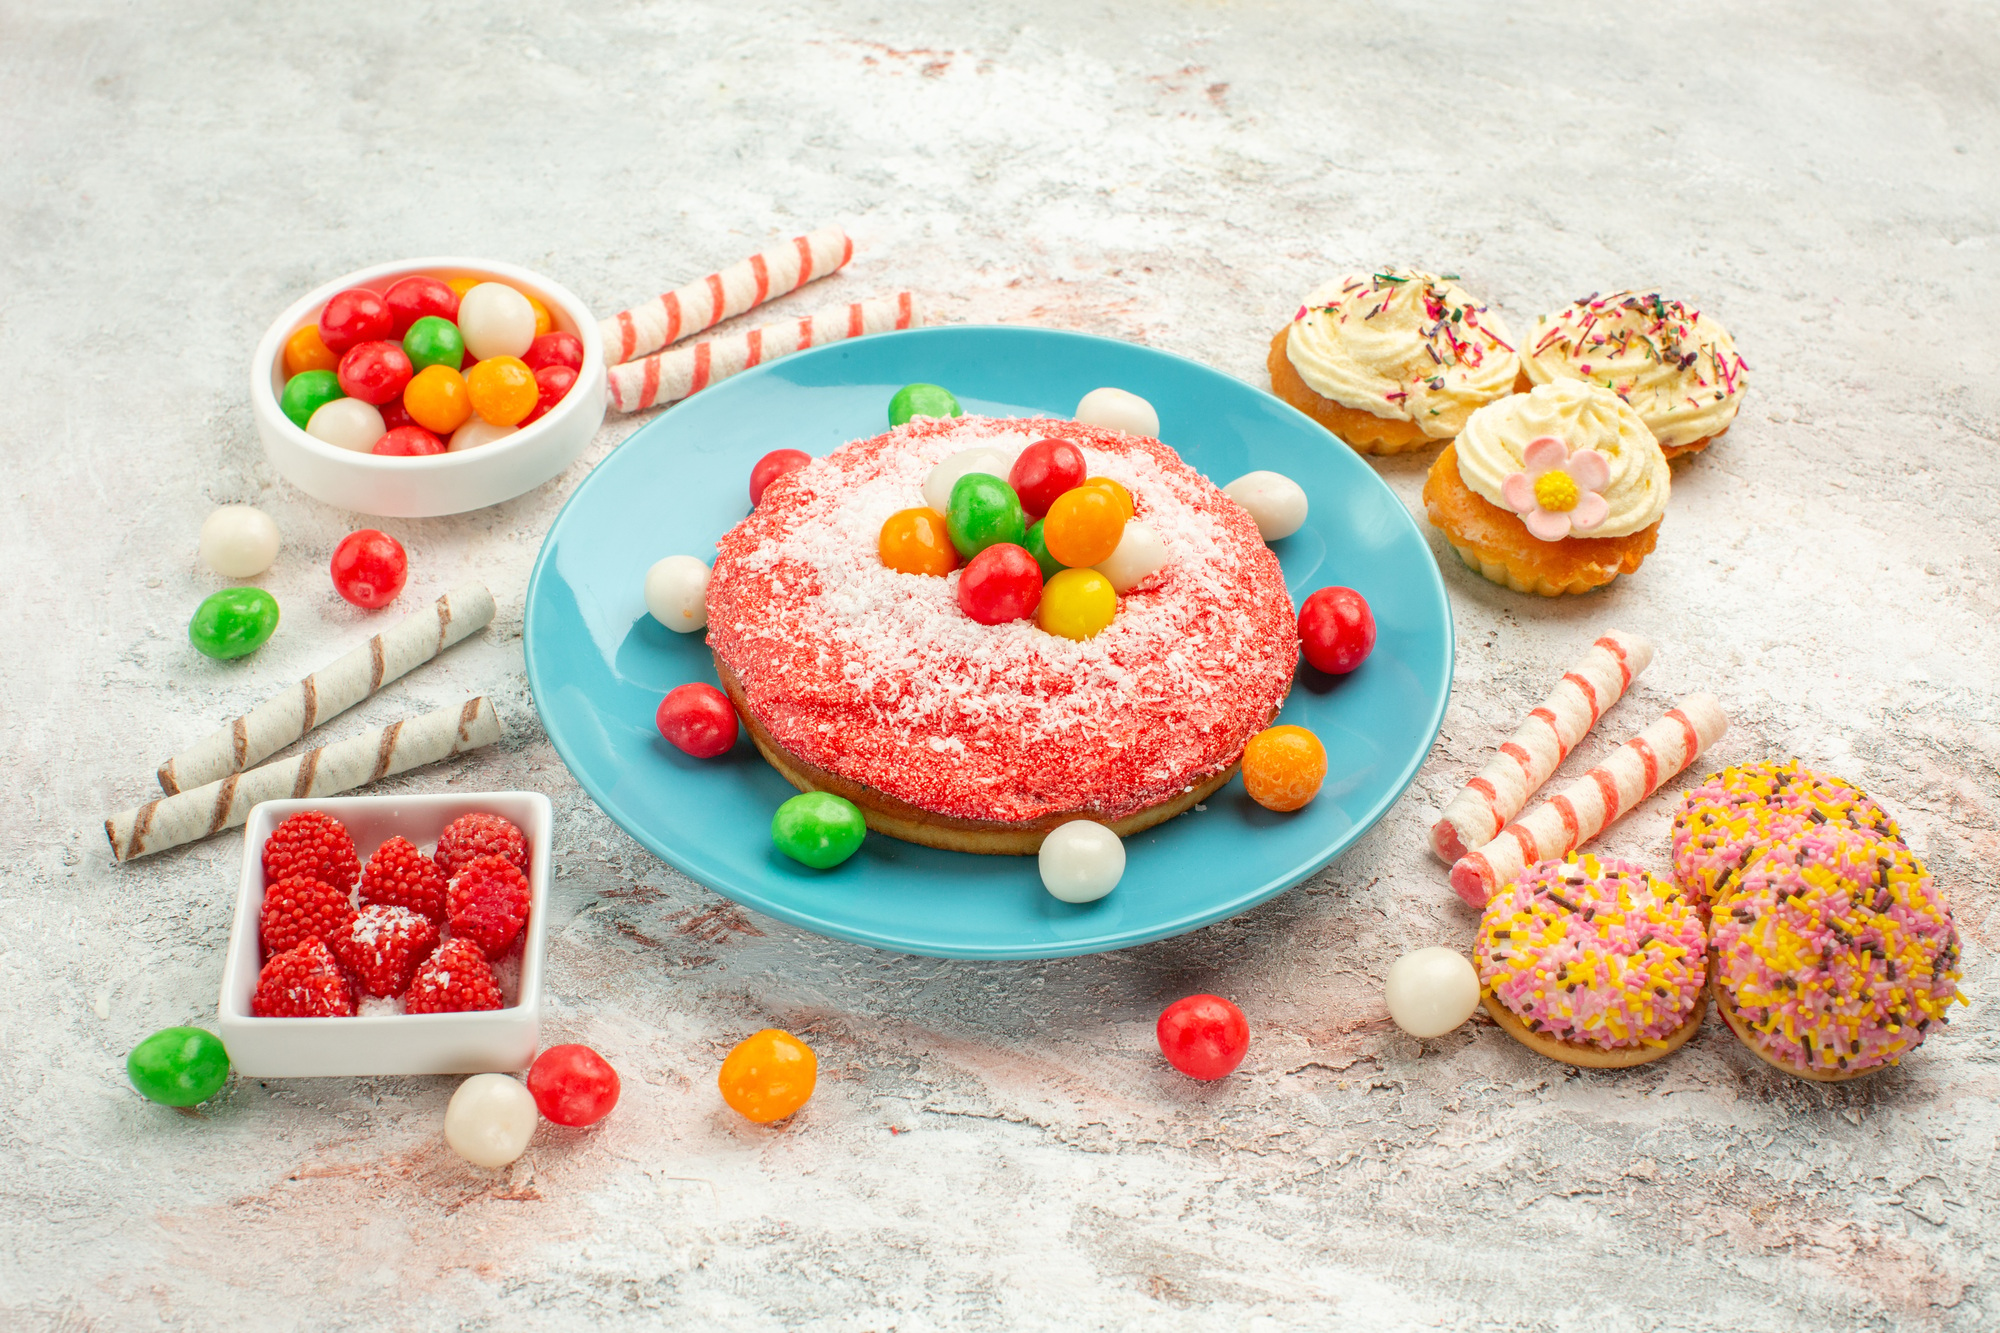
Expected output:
(1558, 493)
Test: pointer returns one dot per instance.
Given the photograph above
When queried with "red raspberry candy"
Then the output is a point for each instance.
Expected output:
(399, 875)
(310, 843)
(489, 903)
(302, 983)
(481, 834)
(454, 980)
(299, 909)
(382, 947)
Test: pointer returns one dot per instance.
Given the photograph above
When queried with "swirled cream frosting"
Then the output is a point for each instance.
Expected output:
(1678, 368)
(1403, 345)
(1493, 445)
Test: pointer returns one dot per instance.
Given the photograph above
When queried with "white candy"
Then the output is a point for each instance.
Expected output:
(1081, 861)
(1115, 409)
(1140, 555)
(347, 423)
(239, 541)
(1431, 991)
(677, 593)
(476, 432)
(985, 458)
(1274, 500)
(495, 320)
(490, 1119)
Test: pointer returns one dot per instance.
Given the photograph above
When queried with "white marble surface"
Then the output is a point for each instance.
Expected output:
(998, 1145)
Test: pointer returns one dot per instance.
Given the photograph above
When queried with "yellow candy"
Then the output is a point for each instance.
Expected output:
(503, 389)
(1076, 604)
(462, 285)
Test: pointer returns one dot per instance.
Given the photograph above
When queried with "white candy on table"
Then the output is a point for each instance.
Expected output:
(677, 593)
(490, 1119)
(239, 541)
(984, 458)
(1115, 409)
(1081, 861)
(347, 423)
(1140, 555)
(495, 320)
(476, 432)
(1431, 991)
(1274, 500)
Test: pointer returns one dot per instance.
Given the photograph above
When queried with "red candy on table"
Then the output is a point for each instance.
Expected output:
(1001, 583)
(396, 414)
(488, 903)
(553, 383)
(773, 466)
(1044, 470)
(356, 315)
(1204, 1036)
(411, 299)
(408, 442)
(374, 372)
(555, 349)
(469, 837)
(697, 718)
(369, 568)
(573, 1085)
(1336, 630)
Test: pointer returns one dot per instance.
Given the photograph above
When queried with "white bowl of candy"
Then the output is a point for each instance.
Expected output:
(428, 386)
(435, 970)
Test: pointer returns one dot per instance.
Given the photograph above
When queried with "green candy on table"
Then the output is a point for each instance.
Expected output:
(922, 400)
(233, 622)
(307, 392)
(178, 1066)
(984, 511)
(1039, 549)
(432, 341)
(818, 829)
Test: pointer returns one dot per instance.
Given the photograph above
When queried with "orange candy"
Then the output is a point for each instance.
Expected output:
(768, 1076)
(503, 389)
(305, 350)
(1124, 496)
(543, 322)
(914, 541)
(462, 285)
(437, 399)
(1283, 767)
(1083, 525)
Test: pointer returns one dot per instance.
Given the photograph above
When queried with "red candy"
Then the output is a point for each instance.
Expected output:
(555, 349)
(409, 442)
(369, 568)
(1204, 1036)
(697, 718)
(553, 383)
(1001, 583)
(394, 415)
(356, 315)
(414, 297)
(773, 466)
(1044, 470)
(573, 1085)
(374, 372)
(1336, 630)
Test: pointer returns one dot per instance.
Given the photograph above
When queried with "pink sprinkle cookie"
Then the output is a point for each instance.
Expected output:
(1725, 820)
(1835, 954)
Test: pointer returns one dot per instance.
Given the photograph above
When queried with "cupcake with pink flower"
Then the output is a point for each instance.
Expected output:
(1558, 490)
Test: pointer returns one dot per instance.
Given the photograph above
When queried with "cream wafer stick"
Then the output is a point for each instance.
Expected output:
(327, 771)
(330, 691)
(703, 304)
(1585, 808)
(667, 376)
(1542, 742)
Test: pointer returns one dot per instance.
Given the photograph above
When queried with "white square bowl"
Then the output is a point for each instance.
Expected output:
(488, 1041)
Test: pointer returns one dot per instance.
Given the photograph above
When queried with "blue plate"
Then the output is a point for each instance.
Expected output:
(598, 664)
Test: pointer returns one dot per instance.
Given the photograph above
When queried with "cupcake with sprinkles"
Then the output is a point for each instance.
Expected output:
(1836, 956)
(1677, 367)
(1594, 962)
(1392, 361)
(1722, 823)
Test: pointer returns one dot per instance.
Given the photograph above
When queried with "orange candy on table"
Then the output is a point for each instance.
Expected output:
(438, 400)
(543, 320)
(462, 285)
(306, 350)
(914, 541)
(503, 389)
(1283, 767)
(1083, 525)
(1123, 496)
(768, 1076)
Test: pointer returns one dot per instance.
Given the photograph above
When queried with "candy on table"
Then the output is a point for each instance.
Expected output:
(708, 301)
(503, 389)
(456, 979)
(1081, 861)
(1736, 813)
(306, 393)
(396, 414)
(382, 946)
(1076, 604)
(983, 512)
(773, 466)
(496, 320)
(552, 385)
(818, 829)
(481, 833)
(696, 718)
(417, 298)
(369, 568)
(1115, 409)
(1043, 471)
(915, 541)
(1537, 748)
(544, 321)
(408, 442)
(1140, 555)
(314, 845)
(488, 903)
(437, 400)
(1336, 630)
(1585, 808)
(433, 342)
(398, 875)
(1001, 583)
(374, 372)
(768, 1076)
(559, 348)
(347, 423)
(233, 622)
(303, 982)
(930, 401)
(238, 541)
(677, 593)
(1283, 767)
(1203, 1036)
(490, 1120)
(475, 433)
(305, 350)
(356, 315)
(941, 479)
(1083, 526)
(1118, 493)
(178, 1066)
(573, 1085)
(1038, 547)
(1275, 502)
(461, 285)
(1431, 991)
(302, 907)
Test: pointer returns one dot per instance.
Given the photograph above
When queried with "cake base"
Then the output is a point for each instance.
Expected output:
(1364, 432)
(1743, 1033)
(1591, 1057)
(1499, 547)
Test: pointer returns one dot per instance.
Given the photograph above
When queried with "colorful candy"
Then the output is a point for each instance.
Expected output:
(416, 298)
(573, 1085)
(369, 568)
(1038, 547)
(768, 1076)
(305, 351)
(475, 433)
(1203, 1036)
(1118, 493)
(552, 385)
(773, 466)
(1283, 767)
(1083, 526)
(356, 315)
(677, 593)
(697, 719)
(178, 1066)
(915, 541)
(559, 348)
(1275, 502)
(490, 1120)
(374, 372)
(818, 829)
(408, 442)
(432, 341)
(1077, 604)
(1000, 584)
(1115, 409)
(939, 482)
(1140, 555)
(1431, 991)
(984, 511)
(233, 622)
(922, 400)
(1336, 630)
(1043, 471)
(503, 389)
(238, 541)
(306, 393)
(1081, 861)
(347, 423)
(495, 320)
(438, 400)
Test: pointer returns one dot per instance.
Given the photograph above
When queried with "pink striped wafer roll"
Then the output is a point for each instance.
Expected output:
(1544, 740)
(667, 376)
(702, 304)
(1588, 806)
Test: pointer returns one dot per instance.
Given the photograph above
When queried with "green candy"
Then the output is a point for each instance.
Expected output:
(433, 342)
(1040, 550)
(233, 622)
(922, 400)
(178, 1066)
(818, 829)
(307, 392)
(984, 511)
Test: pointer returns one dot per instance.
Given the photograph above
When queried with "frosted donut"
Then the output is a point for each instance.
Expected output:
(1721, 823)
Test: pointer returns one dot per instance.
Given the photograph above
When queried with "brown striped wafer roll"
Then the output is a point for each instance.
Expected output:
(330, 691)
(375, 754)
(667, 376)
(1537, 749)
(708, 301)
